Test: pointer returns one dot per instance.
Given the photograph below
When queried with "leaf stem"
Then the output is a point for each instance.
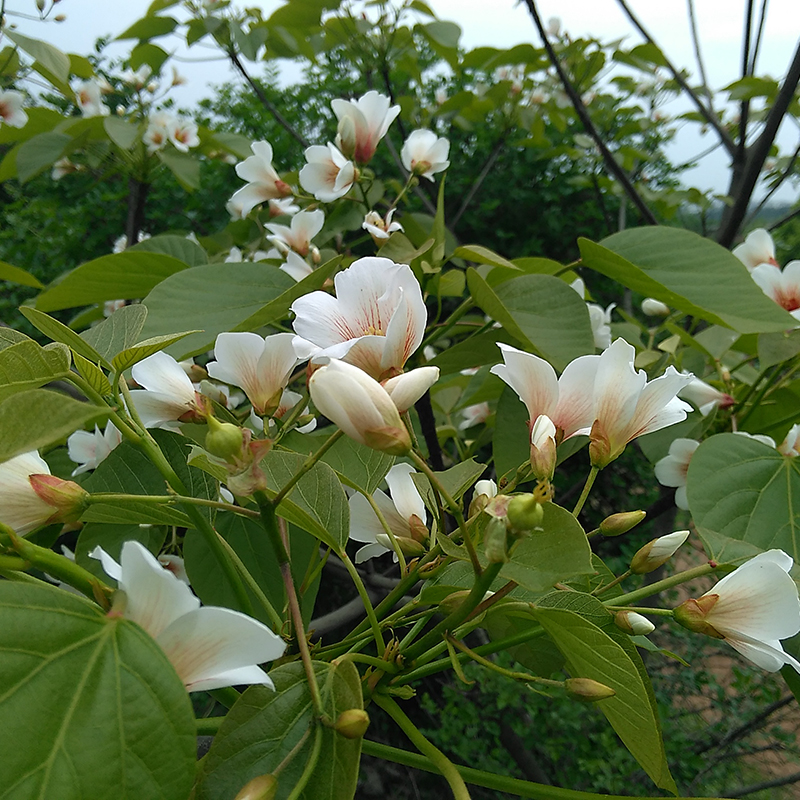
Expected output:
(364, 595)
(660, 586)
(307, 465)
(587, 487)
(311, 765)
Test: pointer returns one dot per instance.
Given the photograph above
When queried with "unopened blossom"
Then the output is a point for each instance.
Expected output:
(790, 446)
(30, 496)
(11, 110)
(305, 225)
(360, 406)
(654, 308)
(424, 153)
(380, 228)
(209, 647)
(168, 394)
(376, 321)
(757, 248)
(626, 405)
(657, 552)
(404, 513)
(474, 415)
(705, 396)
(90, 101)
(543, 448)
(782, 286)
(328, 175)
(89, 449)
(674, 467)
(64, 167)
(263, 182)
(183, 134)
(407, 388)
(752, 609)
(599, 317)
(260, 366)
(177, 78)
(633, 623)
(362, 124)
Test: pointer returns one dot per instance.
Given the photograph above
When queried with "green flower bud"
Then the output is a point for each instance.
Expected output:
(264, 787)
(495, 541)
(224, 439)
(620, 523)
(587, 690)
(353, 723)
(524, 512)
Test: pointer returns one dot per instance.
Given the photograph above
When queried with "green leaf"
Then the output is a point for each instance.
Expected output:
(444, 33)
(51, 58)
(90, 705)
(13, 274)
(744, 497)
(183, 301)
(263, 726)
(687, 272)
(317, 503)
(592, 653)
(23, 417)
(482, 255)
(117, 332)
(473, 352)
(40, 152)
(61, 333)
(123, 133)
(93, 375)
(149, 27)
(511, 441)
(9, 336)
(133, 355)
(773, 348)
(27, 365)
(80, 66)
(456, 481)
(171, 245)
(121, 276)
(184, 167)
(150, 54)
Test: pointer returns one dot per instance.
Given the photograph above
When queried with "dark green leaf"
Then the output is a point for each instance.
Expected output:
(149, 27)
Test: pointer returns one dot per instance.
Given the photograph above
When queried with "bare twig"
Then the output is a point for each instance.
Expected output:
(698, 56)
(757, 787)
(778, 184)
(759, 36)
(490, 162)
(580, 109)
(784, 219)
(707, 114)
(745, 108)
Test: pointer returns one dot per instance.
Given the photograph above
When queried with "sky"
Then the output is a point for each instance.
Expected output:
(720, 23)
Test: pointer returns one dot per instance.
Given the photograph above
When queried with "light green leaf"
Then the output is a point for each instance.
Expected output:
(263, 727)
(80, 66)
(27, 365)
(474, 351)
(317, 503)
(61, 333)
(592, 653)
(482, 255)
(9, 336)
(133, 355)
(123, 133)
(773, 348)
(93, 375)
(456, 481)
(184, 301)
(149, 27)
(73, 677)
(13, 274)
(39, 417)
(40, 152)
(121, 276)
(51, 58)
(176, 246)
(744, 497)
(687, 272)
(442, 32)
(150, 54)
(117, 332)
(184, 167)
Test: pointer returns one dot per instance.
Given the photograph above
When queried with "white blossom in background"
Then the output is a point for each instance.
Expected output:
(474, 415)
(404, 512)
(305, 225)
(209, 647)
(263, 182)
(654, 308)
(328, 175)
(380, 228)
(11, 110)
(156, 134)
(757, 248)
(790, 446)
(705, 396)
(138, 78)
(758, 437)
(64, 167)
(89, 449)
(177, 78)
(90, 101)
(600, 320)
(121, 242)
(183, 134)
(752, 609)
(376, 321)
(673, 468)
(782, 286)
(288, 401)
(362, 124)
(424, 153)
(110, 306)
(283, 206)
(296, 266)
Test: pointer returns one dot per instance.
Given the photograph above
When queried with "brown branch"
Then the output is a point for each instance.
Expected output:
(745, 108)
(428, 424)
(580, 109)
(697, 54)
(743, 181)
(707, 114)
(757, 787)
(778, 184)
(137, 196)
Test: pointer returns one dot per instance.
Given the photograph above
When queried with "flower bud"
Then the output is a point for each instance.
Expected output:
(495, 541)
(224, 439)
(691, 614)
(657, 552)
(633, 623)
(346, 137)
(59, 17)
(419, 530)
(40, 4)
(524, 512)
(264, 787)
(587, 690)
(543, 448)
(620, 523)
(410, 547)
(152, 86)
(353, 723)
(67, 498)
(654, 308)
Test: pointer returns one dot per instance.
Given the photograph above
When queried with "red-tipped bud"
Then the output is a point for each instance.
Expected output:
(67, 498)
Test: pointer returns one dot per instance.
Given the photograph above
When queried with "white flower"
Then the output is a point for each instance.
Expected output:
(121, 242)
(654, 308)
(487, 487)
(89, 449)
(21, 508)
(263, 182)
(783, 286)
(360, 406)
(425, 154)
(168, 394)
(362, 124)
(789, 446)
(407, 388)
(673, 468)
(328, 175)
(600, 320)
(405, 514)
(63, 167)
(296, 266)
(752, 609)
(305, 226)
(260, 366)
(380, 229)
(138, 79)
(284, 206)
(758, 437)
(757, 248)
(704, 396)
(376, 321)
(183, 134)
(209, 647)
(11, 111)
(90, 101)
(474, 415)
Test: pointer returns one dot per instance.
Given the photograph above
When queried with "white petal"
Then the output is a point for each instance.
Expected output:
(406, 498)
(244, 676)
(370, 551)
(110, 566)
(364, 522)
(407, 388)
(162, 373)
(768, 655)
(575, 408)
(20, 507)
(532, 378)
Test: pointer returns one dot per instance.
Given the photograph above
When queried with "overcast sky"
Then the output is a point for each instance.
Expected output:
(503, 23)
